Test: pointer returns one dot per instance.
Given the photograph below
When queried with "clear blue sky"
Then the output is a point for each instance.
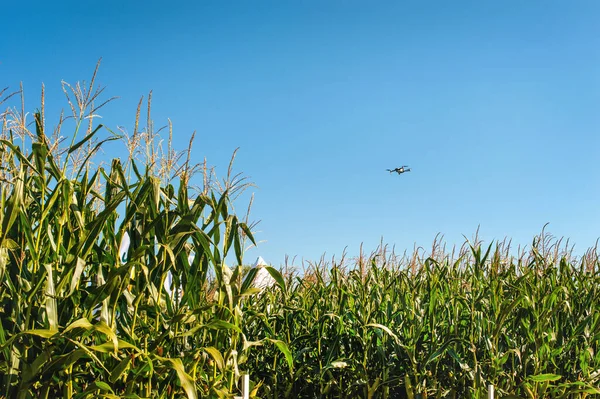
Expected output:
(494, 104)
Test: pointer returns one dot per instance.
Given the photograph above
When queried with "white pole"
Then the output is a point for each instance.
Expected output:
(490, 391)
(245, 387)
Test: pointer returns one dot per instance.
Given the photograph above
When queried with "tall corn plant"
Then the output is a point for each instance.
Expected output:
(78, 319)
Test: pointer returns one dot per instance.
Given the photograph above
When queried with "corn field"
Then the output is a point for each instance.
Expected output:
(81, 318)
(431, 327)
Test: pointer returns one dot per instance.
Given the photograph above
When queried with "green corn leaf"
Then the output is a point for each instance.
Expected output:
(217, 357)
(237, 245)
(230, 232)
(545, 377)
(221, 325)
(285, 350)
(17, 152)
(109, 347)
(249, 279)
(103, 386)
(14, 205)
(440, 351)
(250, 291)
(80, 323)
(41, 333)
(184, 378)
(119, 369)
(277, 277)
(505, 312)
(91, 152)
(106, 330)
(56, 194)
(67, 360)
(247, 232)
(76, 146)
(40, 361)
(40, 152)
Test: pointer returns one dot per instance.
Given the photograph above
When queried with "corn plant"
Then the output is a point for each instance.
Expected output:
(79, 317)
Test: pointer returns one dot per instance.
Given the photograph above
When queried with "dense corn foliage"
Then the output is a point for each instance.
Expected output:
(81, 319)
(77, 318)
(433, 327)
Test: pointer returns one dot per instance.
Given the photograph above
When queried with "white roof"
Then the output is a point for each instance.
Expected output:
(263, 278)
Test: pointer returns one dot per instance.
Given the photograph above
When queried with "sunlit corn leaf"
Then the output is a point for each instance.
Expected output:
(185, 379)
(217, 357)
(544, 377)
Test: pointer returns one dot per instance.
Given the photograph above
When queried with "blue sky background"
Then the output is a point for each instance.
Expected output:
(494, 104)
